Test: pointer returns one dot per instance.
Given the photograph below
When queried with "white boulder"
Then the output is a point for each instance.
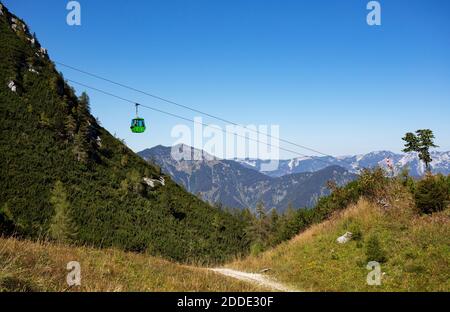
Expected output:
(12, 86)
(149, 182)
(32, 40)
(152, 182)
(32, 70)
(99, 141)
(344, 238)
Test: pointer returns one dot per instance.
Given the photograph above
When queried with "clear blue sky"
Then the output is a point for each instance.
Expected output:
(314, 67)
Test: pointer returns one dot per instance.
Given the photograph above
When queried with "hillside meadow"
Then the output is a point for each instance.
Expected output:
(413, 250)
(41, 266)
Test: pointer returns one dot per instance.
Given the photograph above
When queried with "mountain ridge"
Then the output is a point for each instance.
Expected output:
(229, 183)
(353, 163)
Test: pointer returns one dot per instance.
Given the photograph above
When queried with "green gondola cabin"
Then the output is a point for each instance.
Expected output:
(137, 125)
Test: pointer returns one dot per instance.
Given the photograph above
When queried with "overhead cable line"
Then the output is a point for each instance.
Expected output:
(188, 119)
(186, 107)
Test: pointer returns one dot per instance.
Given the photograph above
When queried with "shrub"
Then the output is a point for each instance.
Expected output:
(432, 193)
(407, 181)
(16, 284)
(6, 220)
(373, 183)
(256, 249)
(374, 251)
(339, 199)
(356, 231)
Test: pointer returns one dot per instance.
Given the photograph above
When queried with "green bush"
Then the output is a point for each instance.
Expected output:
(407, 181)
(373, 183)
(356, 231)
(256, 249)
(374, 251)
(10, 283)
(432, 193)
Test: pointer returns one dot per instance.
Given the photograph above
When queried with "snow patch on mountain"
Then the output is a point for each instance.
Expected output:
(354, 163)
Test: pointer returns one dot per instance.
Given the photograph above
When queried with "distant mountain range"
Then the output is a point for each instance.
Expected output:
(440, 164)
(234, 184)
(300, 181)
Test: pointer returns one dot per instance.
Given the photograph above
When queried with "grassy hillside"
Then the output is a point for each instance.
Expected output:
(30, 266)
(54, 156)
(415, 248)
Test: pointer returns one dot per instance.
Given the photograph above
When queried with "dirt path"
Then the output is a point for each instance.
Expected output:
(254, 278)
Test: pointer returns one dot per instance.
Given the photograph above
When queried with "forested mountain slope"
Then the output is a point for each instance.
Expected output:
(62, 173)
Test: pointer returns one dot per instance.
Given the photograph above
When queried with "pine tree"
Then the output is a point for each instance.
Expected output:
(135, 181)
(274, 226)
(421, 142)
(80, 147)
(288, 223)
(82, 140)
(124, 160)
(274, 220)
(260, 227)
(374, 251)
(61, 227)
(35, 41)
(85, 106)
(246, 216)
(71, 126)
(260, 210)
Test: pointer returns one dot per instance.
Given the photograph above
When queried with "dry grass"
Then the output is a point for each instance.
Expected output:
(417, 248)
(30, 266)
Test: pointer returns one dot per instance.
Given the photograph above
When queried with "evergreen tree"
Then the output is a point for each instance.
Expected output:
(274, 218)
(288, 224)
(274, 226)
(260, 227)
(82, 141)
(44, 121)
(80, 147)
(246, 216)
(71, 126)
(85, 106)
(260, 210)
(135, 181)
(374, 251)
(61, 228)
(124, 160)
(421, 142)
(35, 41)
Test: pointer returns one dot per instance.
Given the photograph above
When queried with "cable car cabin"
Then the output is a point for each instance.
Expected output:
(138, 125)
